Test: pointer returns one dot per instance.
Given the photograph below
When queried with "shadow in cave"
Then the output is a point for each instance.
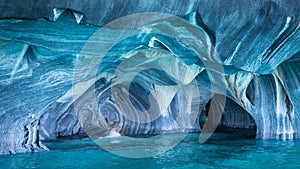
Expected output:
(236, 122)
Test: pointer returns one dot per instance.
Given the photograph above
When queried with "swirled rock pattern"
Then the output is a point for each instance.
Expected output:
(245, 50)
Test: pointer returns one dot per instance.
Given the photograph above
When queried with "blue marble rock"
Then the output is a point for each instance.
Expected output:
(140, 76)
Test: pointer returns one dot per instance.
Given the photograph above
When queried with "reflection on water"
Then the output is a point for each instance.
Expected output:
(220, 151)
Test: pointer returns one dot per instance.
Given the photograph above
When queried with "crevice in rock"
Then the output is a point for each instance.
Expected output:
(235, 120)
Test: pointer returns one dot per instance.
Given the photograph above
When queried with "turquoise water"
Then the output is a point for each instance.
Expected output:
(220, 151)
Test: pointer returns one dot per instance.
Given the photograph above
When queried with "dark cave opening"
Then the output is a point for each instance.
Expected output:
(235, 122)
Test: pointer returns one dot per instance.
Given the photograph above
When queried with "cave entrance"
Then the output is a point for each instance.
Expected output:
(236, 122)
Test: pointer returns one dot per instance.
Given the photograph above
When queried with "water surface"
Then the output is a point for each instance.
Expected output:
(220, 151)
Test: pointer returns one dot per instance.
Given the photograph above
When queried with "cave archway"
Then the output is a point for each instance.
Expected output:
(236, 121)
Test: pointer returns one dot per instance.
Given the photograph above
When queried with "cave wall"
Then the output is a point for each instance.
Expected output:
(257, 56)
